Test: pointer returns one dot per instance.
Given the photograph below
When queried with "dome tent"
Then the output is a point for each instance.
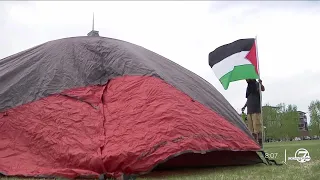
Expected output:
(86, 106)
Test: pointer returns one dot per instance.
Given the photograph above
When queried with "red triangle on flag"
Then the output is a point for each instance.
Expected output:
(252, 57)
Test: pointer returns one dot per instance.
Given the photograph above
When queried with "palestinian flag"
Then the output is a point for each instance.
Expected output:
(235, 61)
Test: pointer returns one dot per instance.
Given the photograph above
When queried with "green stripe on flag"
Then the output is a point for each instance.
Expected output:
(246, 71)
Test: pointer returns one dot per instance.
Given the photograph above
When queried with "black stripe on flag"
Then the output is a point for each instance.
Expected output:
(227, 50)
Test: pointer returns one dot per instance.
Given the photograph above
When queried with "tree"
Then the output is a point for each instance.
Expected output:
(271, 121)
(314, 110)
(289, 120)
(281, 121)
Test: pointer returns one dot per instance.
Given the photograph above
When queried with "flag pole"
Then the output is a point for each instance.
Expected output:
(260, 92)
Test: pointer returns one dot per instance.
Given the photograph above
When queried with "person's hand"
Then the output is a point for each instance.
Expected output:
(242, 109)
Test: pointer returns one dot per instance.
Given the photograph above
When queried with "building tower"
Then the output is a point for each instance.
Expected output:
(303, 124)
(93, 32)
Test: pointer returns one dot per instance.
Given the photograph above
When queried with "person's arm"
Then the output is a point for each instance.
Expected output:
(244, 107)
(262, 86)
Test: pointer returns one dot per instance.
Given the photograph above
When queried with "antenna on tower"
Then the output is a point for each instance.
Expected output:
(93, 32)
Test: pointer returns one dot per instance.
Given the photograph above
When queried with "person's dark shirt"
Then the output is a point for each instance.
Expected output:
(253, 98)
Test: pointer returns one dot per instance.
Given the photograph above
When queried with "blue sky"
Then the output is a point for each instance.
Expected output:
(185, 32)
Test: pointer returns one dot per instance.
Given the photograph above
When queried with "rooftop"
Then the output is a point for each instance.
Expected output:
(274, 107)
(301, 112)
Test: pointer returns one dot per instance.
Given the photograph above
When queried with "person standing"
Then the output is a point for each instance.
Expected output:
(253, 106)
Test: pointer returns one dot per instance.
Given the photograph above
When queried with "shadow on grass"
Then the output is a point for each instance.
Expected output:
(198, 172)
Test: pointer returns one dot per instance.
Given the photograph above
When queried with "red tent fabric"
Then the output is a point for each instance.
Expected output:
(87, 106)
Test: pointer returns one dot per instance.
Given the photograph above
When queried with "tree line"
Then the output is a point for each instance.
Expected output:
(314, 111)
(282, 121)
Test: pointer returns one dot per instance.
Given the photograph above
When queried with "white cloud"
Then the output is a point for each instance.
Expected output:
(185, 32)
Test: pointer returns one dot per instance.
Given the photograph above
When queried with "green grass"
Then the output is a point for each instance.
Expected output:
(292, 171)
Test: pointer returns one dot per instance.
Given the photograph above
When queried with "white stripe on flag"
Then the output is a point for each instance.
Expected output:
(227, 64)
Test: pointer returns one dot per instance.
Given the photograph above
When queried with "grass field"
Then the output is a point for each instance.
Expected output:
(293, 170)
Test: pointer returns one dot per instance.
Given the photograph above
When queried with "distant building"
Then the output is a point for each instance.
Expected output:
(93, 32)
(274, 107)
(303, 124)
